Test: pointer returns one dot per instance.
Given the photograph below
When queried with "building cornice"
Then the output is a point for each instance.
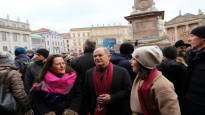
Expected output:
(15, 28)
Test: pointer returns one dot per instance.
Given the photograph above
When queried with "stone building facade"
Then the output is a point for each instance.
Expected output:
(66, 41)
(107, 36)
(53, 40)
(179, 27)
(37, 41)
(14, 34)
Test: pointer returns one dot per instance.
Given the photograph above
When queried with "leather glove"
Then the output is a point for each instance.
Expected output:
(69, 112)
(50, 113)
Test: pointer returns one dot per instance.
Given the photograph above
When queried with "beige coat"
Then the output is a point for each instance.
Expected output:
(163, 99)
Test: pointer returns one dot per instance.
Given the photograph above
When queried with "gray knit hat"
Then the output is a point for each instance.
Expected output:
(148, 56)
(6, 58)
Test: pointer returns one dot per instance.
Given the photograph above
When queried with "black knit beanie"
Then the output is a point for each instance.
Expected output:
(170, 52)
(199, 31)
(43, 52)
(126, 48)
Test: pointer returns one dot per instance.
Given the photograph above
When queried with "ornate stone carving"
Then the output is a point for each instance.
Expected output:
(143, 5)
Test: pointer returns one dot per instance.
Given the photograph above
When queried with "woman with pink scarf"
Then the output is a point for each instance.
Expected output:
(58, 91)
(152, 93)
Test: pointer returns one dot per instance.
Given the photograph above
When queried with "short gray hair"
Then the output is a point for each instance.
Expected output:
(104, 49)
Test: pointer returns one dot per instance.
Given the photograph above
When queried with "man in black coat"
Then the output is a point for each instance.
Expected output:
(174, 71)
(115, 100)
(195, 97)
(83, 63)
(34, 69)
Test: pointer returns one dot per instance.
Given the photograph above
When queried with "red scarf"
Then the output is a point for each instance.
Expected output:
(102, 86)
(144, 92)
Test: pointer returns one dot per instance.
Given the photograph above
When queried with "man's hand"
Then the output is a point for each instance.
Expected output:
(104, 98)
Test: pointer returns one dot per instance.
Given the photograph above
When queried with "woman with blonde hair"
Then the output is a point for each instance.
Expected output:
(152, 93)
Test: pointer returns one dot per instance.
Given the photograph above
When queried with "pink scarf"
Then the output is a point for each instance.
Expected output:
(55, 84)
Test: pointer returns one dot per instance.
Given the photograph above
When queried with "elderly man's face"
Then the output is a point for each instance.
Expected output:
(101, 58)
(197, 42)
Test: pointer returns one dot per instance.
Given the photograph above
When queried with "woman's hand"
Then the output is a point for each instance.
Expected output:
(69, 112)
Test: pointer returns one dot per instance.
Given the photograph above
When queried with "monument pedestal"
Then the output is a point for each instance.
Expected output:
(147, 27)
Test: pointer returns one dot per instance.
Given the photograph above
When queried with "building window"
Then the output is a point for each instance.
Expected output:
(25, 38)
(14, 25)
(23, 26)
(183, 29)
(5, 48)
(2, 23)
(73, 35)
(3, 36)
(15, 37)
(74, 44)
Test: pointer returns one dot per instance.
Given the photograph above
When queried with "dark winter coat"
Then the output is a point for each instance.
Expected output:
(123, 60)
(16, 87)
(72, 101)
(32, 73)
(116, 58)
(176, 73)
(196, 74)
(120, 92)
(22, 57)
(82, 64)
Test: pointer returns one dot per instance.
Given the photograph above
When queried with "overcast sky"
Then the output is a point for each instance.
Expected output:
(61, 15)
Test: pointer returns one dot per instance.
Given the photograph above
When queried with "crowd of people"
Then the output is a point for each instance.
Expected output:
(147, 80)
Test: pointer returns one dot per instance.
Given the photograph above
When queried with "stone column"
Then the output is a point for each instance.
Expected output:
(175, 32)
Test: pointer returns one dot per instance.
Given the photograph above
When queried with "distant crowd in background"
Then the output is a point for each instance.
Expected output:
(147, 80)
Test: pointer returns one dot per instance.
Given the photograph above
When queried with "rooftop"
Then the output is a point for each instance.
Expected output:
(41, 30)
(36, 36)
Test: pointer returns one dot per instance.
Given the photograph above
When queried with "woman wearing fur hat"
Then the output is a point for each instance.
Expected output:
(152, 93)
(58, 90)
(9, 73)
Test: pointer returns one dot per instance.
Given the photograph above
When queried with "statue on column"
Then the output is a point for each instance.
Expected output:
(142, 5)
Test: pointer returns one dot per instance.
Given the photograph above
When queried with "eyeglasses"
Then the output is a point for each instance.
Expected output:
(59, 64)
